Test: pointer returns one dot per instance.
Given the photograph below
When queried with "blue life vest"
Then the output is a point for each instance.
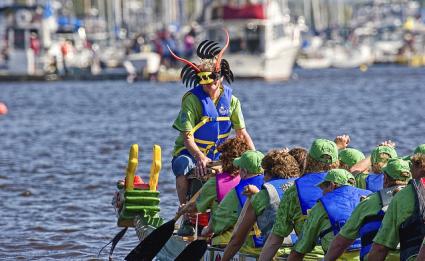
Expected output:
(275, 189)
(215, 124)
(257, 181)
(339, 204)
(371, 224)
(308, 193)
(375, 182)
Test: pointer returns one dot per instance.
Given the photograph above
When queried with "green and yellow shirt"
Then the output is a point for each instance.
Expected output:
(191, 113)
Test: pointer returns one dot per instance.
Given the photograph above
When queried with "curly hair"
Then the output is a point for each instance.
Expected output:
(231, 149)
(314, 166)
(300, 155)
(377, 167)
(418, 160)
(342, 165)
(390, 182)
(280, 164)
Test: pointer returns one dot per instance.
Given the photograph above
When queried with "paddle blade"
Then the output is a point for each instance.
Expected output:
(152, 244)
(194, 251)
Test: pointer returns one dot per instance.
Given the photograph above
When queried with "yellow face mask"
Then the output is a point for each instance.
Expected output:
(207, 77)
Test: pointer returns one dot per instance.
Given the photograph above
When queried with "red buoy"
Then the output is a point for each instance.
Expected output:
(3, 109)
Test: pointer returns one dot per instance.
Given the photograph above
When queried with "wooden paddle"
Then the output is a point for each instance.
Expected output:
(148, 248)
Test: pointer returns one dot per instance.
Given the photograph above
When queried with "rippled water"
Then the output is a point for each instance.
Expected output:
(64, 145)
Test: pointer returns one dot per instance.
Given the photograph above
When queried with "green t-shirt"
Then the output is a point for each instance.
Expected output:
(317, 222)
(208, 197)
(289, 217)
(260, 201)
(401, 208)
(191, 113)
(368, 207)
(361, 180)
(223, 220)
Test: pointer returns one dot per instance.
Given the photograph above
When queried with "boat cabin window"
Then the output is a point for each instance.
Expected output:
(278, 31)
(19, 39)
(248, 39)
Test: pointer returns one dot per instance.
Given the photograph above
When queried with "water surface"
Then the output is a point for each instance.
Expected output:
(64, 145)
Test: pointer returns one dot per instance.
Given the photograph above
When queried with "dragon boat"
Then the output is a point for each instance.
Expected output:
(137, 205)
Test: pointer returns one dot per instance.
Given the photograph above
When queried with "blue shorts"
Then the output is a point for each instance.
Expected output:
(182, 164)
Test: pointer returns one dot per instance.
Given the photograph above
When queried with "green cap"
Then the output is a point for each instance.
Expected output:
(350, 156)
(419, 149)
(250, 160)
(376, 152)
(338, 176)
(398, 169)
(321, 148)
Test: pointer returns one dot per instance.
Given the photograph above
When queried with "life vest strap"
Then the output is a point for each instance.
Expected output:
(206, 119)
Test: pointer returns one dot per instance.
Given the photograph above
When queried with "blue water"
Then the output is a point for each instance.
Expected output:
(64, 145)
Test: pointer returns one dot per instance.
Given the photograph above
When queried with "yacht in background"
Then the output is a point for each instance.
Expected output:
(263, 41)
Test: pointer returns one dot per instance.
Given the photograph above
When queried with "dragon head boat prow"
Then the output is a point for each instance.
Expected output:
(136, 198)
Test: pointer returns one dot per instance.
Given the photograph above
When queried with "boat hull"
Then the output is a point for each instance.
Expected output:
(176, 244)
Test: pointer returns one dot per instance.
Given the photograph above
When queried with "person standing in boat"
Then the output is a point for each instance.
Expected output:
(208, 113)
(280, 172)
(367, 217)
(300, 198)
(403, 222)
(329, 214)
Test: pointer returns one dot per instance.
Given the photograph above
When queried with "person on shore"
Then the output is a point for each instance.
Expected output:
(404, 221)
(227, 212)
(216, 187)
(280, 172)
(300, 198)
(374, 181)
(367, 217)
(208, 113)
(329, 214)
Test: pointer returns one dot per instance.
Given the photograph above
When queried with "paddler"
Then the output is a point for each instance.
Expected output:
(300, 198)
(367, 217)
(329, 214)
(227, 212)
(280, 172)
(403, 222)
(374, 181)
(208, 113)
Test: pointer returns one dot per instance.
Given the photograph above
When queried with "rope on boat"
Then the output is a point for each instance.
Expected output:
(114, 242)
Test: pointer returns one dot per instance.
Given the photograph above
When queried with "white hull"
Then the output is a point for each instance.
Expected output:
(314, 63)
(276, 67)
(352, 58)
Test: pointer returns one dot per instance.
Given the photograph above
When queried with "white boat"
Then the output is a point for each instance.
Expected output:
(344, 57)
(263, 41)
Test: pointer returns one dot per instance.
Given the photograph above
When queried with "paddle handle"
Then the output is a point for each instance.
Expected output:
(193, 199)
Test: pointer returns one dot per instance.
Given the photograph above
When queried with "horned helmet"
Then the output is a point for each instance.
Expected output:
(211, 67)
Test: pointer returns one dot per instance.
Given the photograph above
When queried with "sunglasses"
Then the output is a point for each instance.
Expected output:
(208, 77)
